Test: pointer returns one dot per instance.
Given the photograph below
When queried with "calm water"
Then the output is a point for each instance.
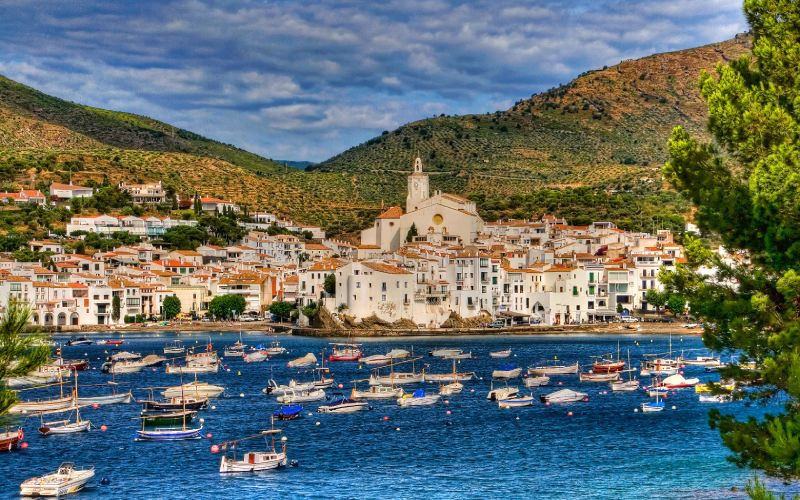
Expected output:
(604, 450)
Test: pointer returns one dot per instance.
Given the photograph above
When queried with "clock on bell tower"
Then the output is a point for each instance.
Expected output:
(418, 189)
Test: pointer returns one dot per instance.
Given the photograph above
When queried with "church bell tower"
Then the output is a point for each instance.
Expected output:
(418, 189)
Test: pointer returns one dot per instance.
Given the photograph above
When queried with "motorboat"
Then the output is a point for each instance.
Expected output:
(275, 349)
(500, 354)
(194, 367)
(715, 398)
(554, 369)
(445, 352)
(677, 381)
(126, 366)
(293, 396)
(345, 352)
(709, 361)
(174, 347)
(599, 377)
(307, 360)
(256, 356)
(536, 381)
(235, 350)
(176, 403)
(659, 366)
(502, 393)
(417, 398)
(78, 341)
(279, 390)
(451, 388)
(377, 392)
(397, 378)
(289, 412)
(194, 389)
(507, 371)
(343, 405)
(66, 480)
(375, 359)
(10, 439)
(624, 385)
(124, 355)
(460, 355)
(398, 354)
(516, 401)
(565, 396)
(253, 461)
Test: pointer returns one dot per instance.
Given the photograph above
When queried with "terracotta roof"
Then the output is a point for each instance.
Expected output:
(66, 187)
(391, 213)
(384, 268)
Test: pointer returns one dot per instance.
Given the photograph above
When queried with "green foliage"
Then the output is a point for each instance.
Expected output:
(330, 284)
(171, 306)
(105, 243)
(311, 311)
(748, 198)
(116, 307)
(223, 227)
(281, 309)
(412, 231)
(185, 237)
(19, 354)
(226, 306)
(655, 298)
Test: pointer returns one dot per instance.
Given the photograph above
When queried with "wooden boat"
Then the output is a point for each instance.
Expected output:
(194, 367)
(78, 341)
(71, 364)
(194, 389)
(127, 366)
(66, 426)
(345, 352)
(500, 354)
(376, 359)
(624, 385)
(377, 392)
(502, 393)
(176, 403)
(460, 355)
(113, 398)
(417, 398)
(275, 349)
(256, 356)
(536, 381)
(307, 360)
(207, 356)
(293, 396)
(714, 398)
(157, 418)
(659, 366)
(606, 363)
(343, 405)
(320, 380)
(453, 376)
(279, 390)
(174, 347)
(398, 354)
(565, 396)
(507, 371)
(451, 388)
(66, 480)
(554, 369)
(516, 401)
(289, 412)
(599, 377)
(253, 461)
(44, 405)
(10, 439)
(397, 378)
(168, 433)
(444, 352)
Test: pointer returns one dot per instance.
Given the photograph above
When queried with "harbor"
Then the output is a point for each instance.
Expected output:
(456, 444)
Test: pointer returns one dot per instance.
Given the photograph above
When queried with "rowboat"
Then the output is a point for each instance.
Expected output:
(343, 405)
(536, 381)
(345, 352)
(377, 392)
(161, 418)
(554, 369)
(451, 388)
(176, 403)
(66, 480)
(289, 412)
(418, 398)
(453, 376)
(606, 363)
(307, 360)
(168, 433)
(256, 356)
(507, 371)
(599, 377)
(11, 438)
(293, 396)
(500, 354)
(235, 350)
(448, 351)
(516, 401)
(565, 396)
(195, 389)
(502, 393)
(253, 461)
(45, 405)
(174, 347)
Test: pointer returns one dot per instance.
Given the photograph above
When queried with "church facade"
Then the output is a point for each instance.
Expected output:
(439, 218)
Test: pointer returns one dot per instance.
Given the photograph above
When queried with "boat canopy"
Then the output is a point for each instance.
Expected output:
(419, 393)
(508, 367)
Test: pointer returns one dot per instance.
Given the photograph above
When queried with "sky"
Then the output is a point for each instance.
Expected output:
(305, 80)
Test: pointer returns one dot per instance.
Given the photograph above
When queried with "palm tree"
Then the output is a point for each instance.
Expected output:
(19, 353)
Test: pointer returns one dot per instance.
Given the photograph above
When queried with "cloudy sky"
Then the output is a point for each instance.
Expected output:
(304, 80)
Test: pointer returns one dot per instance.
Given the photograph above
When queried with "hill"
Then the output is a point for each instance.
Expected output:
(606, 130)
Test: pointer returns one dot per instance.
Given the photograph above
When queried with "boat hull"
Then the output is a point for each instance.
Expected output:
(380, 393)
(423, 401)
(189, 390)
(257, 464)
(10, 440)
(554, 370)
(517, 402)
(107, 400)
(34, 488)
(68, 428)
(168, 434)
(41, 406)
(536, 381)
(343, 408)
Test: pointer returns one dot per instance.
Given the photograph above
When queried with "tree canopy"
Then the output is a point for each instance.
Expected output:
(172, 306)
(19, 354)
(745, 187)
(226, 306)
(281, 309)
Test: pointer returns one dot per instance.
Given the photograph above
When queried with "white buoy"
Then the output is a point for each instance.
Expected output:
(241, 394)
(317, 422)
(636, 410)
(202, 420)
(674, 407)
(213, 407)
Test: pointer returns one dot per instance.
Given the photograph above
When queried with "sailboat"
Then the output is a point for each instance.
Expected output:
(44, 405)
(113, 398)
(345, 352)
(397, 378)
(169, 433)
(375, 391)
(653, 406)
(254, 461)
(629, 385)
(606, 363)
(453, 376)
(66, 426)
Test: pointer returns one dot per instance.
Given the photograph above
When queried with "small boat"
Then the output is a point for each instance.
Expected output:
(657, 391)
(275, 349)
(677, 381)
(66, 426)
(289, 412)
(66, 480)
(279, 390)
(715, 398)
(307, 360)
(45, 405)
(377, 392)
(111, 342)
(127, 366)
(195, 389)
(113, 398)
(155, 418)
(398, 354)
(77, 365)
(516, 401)
(554, 369)
(343, 405)
(398, 378)
(124, 355)
(727, 385)
(193, 367)
(659, 366)
(345, 352)
(500, 354)
(78, 341)
(536, 381)
(451, 388)
(453, 376)
(235, 350)
(154, 360)
(502, 393)
(176, 403)
(253, 461)
(256, 356)
(307, 396)
(167, 433)
(565, 396)
(323, 382)
(460, 355)
(10, 439)
(445, 352)
(174, 347)
(624, 385)
(599, 377)
(507, 371)
(606, 363)
(375, 359)
(417, 398)
(709, 361)
(653, 406)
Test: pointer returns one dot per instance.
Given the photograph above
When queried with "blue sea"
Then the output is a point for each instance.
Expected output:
(603, 450)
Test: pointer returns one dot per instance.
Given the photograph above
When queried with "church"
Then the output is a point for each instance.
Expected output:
(442, 218)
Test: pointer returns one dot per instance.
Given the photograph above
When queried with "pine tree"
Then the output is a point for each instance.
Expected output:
(19, 354)
(412, 231)
(746, 187)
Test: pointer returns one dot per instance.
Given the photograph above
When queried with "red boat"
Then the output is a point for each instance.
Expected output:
(345, 352)
(112, 342)
(10, 439)
(72, 364)
(608, 366)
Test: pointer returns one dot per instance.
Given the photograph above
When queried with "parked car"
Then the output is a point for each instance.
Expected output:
(629, 319)
(498, 323)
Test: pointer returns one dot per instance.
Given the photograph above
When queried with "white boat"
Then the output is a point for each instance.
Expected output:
(377, 392)
(65, 426)
(193, 367)
(536, 381)
(598, 377)
(174, 347)
(659, 366)
(565, 396)
(507, 371)
(122, 398)
(194, 389)
(125, 355)
(153, 360)
(275, 349)
(30, 381)
(500, 354)
(709, 361)
(235, 350)
(502, 393)
(294, 396)
(515, 401)
(453, 376)
(275, 389)
(653, 407)
(66, 480)
(554, 369)
(343, 405)
(417, 398)
(624, 385)
(256, 357)
(375, 359)
(460, 355)
(714, 398)
(307, 360)
(677, 381)
(45, 405)
(450, 389)
(398, 354)
(323, 382)
(253, 461)
(397, 378)
(445, 352)
(127, 366)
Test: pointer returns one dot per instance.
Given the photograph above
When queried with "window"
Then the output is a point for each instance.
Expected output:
(591, 289)
(383, 298)
(575, 291)
(358, 284)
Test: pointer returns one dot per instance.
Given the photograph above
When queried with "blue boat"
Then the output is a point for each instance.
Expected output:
(168, 434)
(288, 412)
